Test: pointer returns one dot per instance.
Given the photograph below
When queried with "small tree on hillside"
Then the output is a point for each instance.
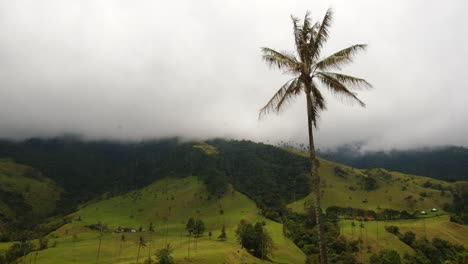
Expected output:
(141, 243)
(190, 226)
(164, 255)
(223, 235)
(198, 228)
(43, 243)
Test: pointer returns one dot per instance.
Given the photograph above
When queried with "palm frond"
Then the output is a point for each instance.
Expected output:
(318, 104)
(318, 98)
(350, 82)
(296, 31)
(338, 88)
(281, 97)
(306, 34)
(322, 35)
(283, 60)
(340, 58)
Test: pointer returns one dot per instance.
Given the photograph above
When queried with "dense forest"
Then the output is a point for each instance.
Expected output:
(444, 163)
(88, 169)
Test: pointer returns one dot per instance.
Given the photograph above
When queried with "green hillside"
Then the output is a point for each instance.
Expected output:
(153, 183)
(167, 204)
(26, 195)
(349, 187)
(375, 238)
(344, 186)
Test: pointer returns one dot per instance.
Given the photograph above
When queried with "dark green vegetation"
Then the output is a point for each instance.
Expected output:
(87, 170)
(26, 198)
(300, 229)
(427, 252)
(254, 238)
(444, 163)
(386, 257)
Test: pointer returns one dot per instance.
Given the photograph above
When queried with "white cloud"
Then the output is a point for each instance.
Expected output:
(126, 69)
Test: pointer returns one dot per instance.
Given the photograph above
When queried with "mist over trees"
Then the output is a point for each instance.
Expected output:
(445, 163)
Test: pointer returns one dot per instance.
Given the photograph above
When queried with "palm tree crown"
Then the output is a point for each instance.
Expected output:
(308, 68)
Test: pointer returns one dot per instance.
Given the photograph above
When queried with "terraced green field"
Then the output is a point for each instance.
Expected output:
(167, 204)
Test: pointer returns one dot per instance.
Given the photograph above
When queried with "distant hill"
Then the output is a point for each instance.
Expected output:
(26, 196)
(444, 163)
(87, 169)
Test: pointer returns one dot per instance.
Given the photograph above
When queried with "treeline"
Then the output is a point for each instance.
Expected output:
(436, 251)
(459, 207)
(366, 215)
(301, 229)
(445, 163)
(87, 169)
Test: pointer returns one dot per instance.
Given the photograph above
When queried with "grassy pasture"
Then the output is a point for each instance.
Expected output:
(167, 204)
(395, 190)
(375, 238)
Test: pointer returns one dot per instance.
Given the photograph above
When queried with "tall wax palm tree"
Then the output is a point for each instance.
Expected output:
(310, 70)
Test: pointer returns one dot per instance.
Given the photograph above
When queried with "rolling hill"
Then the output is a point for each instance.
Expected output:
(167, 204)
(345, 186)
(26, 196)
(221, 182)
(449, 163)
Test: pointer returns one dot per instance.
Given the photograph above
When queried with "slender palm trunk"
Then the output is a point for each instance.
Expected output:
(120, 250)
(315, 183)
(188, 249)
(99, 246)
(138, 254)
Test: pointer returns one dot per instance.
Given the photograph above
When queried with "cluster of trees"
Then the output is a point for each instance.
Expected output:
(195, 227)
(163, 256)
(458, 207)
(386, 257)
(254, 238)
(23, 248)
(349, 212)
(437, 251)
(383, 214)
(370, 183)
(300, 229)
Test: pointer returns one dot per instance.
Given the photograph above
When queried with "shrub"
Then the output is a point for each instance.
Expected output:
(392, 229)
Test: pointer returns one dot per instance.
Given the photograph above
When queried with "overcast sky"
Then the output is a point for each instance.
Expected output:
(146, 69)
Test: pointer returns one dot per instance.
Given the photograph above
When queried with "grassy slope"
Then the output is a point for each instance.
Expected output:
(389, 194)
(178, 199)
(373, 233)
(175, 200)
(41, 193)
(337, 191)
